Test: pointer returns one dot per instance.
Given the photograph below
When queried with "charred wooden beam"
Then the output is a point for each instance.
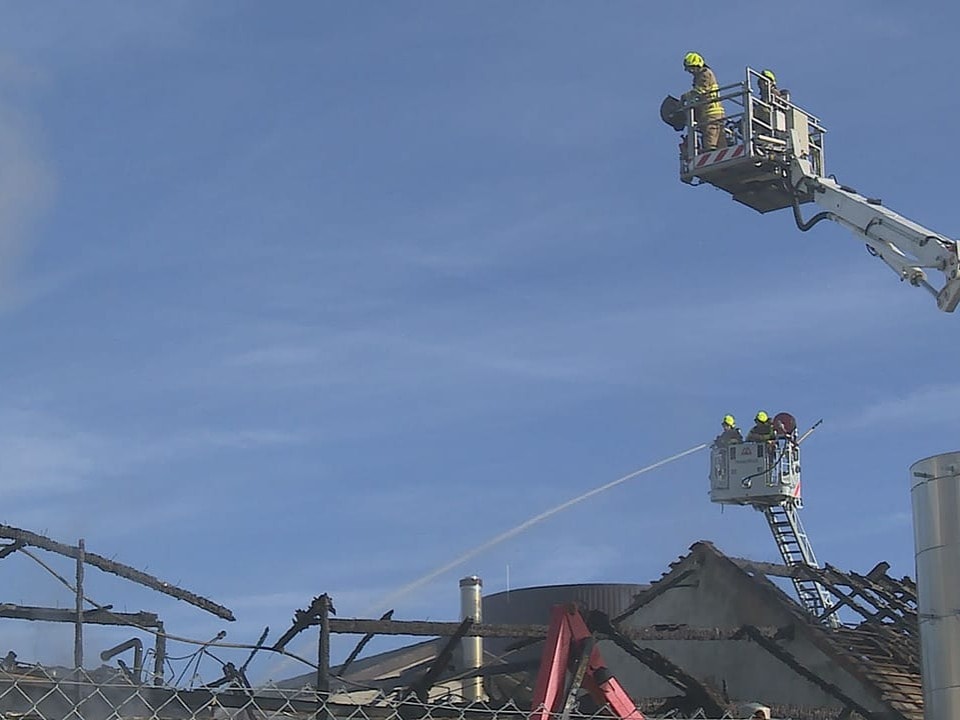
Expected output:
(791, 662)
(697, 693)
(893, 600)
(256, 648)
(579, 674)
(302, 619)
(388, 615)
(685, 632)
(11, 548)
(896, 607)
(105, 616)
(323, 646)
(125, 571)
(358, 626)
(773, 569)
(421, 688)
(652, 592)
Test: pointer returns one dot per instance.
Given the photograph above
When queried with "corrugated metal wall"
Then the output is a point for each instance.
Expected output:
(532, 605)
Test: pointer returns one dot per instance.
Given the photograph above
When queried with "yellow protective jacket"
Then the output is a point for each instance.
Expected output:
(705, 86)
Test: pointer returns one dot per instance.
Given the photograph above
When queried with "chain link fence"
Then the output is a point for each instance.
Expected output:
(113, 694)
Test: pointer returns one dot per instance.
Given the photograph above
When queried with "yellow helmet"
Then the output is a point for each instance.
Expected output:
(768, 74)
(762, 417)
(693, 60)
(728, 421)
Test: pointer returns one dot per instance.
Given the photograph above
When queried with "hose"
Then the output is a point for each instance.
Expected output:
(798, 218)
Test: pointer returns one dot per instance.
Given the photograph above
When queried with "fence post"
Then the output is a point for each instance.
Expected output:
(78, 632)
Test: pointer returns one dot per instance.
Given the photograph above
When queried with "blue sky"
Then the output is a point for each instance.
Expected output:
(318, 299)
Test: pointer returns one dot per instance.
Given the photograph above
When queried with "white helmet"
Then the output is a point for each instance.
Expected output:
(758, 710)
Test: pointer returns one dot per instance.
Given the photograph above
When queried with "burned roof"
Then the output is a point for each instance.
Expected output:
(881, 648)
(693, 630)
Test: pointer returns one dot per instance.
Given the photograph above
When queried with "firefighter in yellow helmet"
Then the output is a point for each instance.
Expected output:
(730, 435)
(769, 88)
(771, 111)
(762, 431)
(710, 115)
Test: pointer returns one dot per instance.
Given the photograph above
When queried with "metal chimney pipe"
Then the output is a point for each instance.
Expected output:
(471, 648)
(935, 495)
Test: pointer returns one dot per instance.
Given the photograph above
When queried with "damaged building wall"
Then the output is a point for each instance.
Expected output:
(704, 591)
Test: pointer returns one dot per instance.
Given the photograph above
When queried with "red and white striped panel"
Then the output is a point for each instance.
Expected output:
(714, 156)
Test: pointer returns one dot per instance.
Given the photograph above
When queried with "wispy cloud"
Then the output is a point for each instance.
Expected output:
(59, 477)
(610, 338)
(26, 188)
(921, 406)
(42, 456)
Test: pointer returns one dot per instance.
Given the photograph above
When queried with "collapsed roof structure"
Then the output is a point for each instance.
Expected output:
(711, 633)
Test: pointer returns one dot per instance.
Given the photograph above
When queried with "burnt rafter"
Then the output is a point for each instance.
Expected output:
(388, 615)
(529, 633)
(11, 548)
(104, 616)
(697, 694)
(32, 539)
(876, 596)
(655, 590)
(894, 602)
(420, 689)
(881, 652)
(302, 619)
(791, 662)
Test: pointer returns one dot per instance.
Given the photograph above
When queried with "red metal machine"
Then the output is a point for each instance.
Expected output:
(570, 645)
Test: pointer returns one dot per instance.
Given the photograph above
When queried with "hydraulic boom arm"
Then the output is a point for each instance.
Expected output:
(771, 157)
(907, 248)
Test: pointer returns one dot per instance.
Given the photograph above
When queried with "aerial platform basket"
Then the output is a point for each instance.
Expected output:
(763, 135)
(756, 473)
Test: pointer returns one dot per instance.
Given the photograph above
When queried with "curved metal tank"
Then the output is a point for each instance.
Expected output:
(935, 495)
(531, 606)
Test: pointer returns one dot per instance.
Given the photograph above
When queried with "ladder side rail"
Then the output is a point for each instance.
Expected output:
(804, 542)
(795, 549)
(783, 535)
(810, 559)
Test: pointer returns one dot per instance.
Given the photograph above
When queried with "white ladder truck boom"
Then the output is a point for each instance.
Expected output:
(774, 160)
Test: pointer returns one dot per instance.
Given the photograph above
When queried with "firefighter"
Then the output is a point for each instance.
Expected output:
(730, 434)
(769, 89)
(762, 431)
(771, 113)
(709, 116)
